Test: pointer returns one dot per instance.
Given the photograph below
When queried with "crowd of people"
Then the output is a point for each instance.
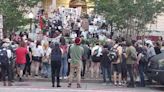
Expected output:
(116, 60)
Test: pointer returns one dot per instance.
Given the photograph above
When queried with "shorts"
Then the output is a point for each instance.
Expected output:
(21, 66)
(37, 59)
(117, 68)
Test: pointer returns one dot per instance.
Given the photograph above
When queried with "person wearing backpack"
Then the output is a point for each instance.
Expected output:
(131, 58)
(106, 64)
(56, 56)
(5, 55)
(85, 57)
(96, 58)
(76, 53)
(117, 62)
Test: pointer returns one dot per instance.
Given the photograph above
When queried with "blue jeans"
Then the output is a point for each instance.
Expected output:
(46, 70)
(141, 68)
(106, 72)
(64, 66)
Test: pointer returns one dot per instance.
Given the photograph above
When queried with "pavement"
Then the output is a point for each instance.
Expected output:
(45, 86)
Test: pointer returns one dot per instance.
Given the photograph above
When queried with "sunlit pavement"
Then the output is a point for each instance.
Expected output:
(86, 87)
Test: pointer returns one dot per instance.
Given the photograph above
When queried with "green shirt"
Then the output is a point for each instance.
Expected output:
(130, 50)
(76, 53)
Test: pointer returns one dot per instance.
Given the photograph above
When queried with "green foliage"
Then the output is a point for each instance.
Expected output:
(127, 13)
(13, 12)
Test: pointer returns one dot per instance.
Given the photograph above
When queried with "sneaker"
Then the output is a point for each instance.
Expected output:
(60, 78)
(115, 84)
(58, 86)
(120, 84)
(65, 77)
(20, 80)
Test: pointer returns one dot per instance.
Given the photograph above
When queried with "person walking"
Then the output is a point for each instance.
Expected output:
(21, 53)
(76, 53)
(56, 56)
(27, 69)
(5, 55)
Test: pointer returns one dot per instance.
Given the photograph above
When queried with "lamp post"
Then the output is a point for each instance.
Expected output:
(31, 16)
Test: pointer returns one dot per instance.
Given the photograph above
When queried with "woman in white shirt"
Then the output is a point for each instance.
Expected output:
(46, 60)
(37, 53)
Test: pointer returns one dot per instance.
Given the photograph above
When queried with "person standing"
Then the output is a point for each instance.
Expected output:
(37, 53)
(76, 27)
(5, 63)
(46, 60)
(76, 53)
(56, 56)
(106, 64)
(117, 63)
(130, 55)
(85, 58)
(96, 58)
(157, 48)
(64, 62)
(141, 61)
(150, 49)
(21, 53)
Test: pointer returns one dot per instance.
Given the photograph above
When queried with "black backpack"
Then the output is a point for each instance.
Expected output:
(3, 56)
(56, 55)
(144, 58)
(113, 54)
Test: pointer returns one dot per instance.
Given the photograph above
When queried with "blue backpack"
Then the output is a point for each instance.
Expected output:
(3, 56)
(56, 55)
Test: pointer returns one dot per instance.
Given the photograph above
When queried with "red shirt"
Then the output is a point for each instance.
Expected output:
(21, 55)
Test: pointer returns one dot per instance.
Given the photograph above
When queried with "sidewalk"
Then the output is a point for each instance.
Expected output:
(40, 79)
(86, 87)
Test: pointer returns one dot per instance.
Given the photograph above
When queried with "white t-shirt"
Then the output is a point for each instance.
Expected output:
(37, 51)
(47, 52)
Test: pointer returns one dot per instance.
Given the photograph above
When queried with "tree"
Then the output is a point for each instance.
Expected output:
(14, 11)
(132, 15)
